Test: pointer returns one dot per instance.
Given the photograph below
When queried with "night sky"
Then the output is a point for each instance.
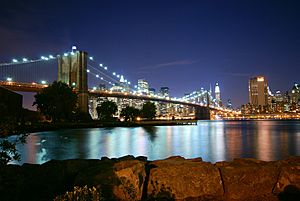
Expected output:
(183, 44)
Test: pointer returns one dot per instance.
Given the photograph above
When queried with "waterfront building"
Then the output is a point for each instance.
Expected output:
(258, 91)
(164, 92)
(152, 91)
(143, 87)
(102, 86)
(217, 94)
(229, 104)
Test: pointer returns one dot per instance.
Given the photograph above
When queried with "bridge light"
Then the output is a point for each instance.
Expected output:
(51, 57)
(118, 76)
(101, 78)
(105, 68)
(91, 58)
(43, 82)
(125, 80)
(25, 60)
(42, 57)
(88, 70)
(46, 58)
(66, 54)
(15, 60)
(129, 83)
(114, 73)
(97, 75)
(101, 65)
(9, 79)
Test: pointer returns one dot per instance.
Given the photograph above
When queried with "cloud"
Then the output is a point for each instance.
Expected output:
(169, 64)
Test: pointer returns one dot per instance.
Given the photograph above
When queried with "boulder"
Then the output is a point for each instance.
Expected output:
(288, 183)
(180, 179)
(249, 179)
(12, 181)
(117, 180)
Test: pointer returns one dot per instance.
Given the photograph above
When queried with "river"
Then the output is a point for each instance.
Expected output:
(212, 140)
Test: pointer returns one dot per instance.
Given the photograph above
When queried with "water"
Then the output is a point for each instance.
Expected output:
(211, 140)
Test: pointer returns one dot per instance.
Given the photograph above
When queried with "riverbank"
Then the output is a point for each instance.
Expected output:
(175, 178)
(39, 127)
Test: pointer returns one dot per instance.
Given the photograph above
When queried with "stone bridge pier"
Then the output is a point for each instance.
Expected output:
(202, 113)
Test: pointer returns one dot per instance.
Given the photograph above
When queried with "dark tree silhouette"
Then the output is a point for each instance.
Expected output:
(130, 113)
(106, 110)
(58, 101)
(149, 110)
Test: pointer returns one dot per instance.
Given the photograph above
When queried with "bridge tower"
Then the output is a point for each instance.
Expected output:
(72, 70)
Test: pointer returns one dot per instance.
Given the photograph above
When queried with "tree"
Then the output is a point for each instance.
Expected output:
(8, 149)
(58, 101)
(130, 113)
(149, 110)
(106, 110)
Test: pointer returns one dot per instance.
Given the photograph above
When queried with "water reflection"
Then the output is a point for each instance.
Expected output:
(151, 131)
(211, 140)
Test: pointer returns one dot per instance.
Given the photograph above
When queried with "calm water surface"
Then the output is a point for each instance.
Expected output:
(211, 140)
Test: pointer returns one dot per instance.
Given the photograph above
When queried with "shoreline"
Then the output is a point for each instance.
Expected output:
(42, 127)
(173, 178)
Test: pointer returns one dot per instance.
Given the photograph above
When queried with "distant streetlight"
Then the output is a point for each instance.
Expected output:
(43, 82)
(91, 58)
(25, 60)
(9, 79)
(15, 60)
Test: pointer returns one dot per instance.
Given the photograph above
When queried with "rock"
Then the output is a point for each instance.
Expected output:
(288, 183)
(121, 180)
(12, 182)
(249, 179)
(132, 177)
(180, 179)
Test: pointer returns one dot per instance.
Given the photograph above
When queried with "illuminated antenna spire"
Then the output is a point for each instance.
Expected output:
(122, 79)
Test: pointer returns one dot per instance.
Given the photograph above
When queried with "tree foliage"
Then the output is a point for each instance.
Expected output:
(130, 113)
(58, 101)
(8, 149)
(149, 110)
(106, 110)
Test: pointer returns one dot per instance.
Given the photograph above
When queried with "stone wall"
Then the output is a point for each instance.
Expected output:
(175, 178)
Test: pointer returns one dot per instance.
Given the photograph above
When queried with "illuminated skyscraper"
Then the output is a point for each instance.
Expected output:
(143, 87)
(217, 93)
(258, 91)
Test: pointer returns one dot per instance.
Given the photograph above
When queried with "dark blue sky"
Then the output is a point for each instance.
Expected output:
(184, 44)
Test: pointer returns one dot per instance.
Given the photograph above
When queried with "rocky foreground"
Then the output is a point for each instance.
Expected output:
(175, 178)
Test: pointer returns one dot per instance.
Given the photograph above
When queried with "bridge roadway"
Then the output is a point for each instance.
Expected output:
(35, 87)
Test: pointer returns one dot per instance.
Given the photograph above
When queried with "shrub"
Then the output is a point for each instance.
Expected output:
(81, 194)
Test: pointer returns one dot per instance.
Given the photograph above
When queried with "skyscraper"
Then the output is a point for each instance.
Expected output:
(258, 91)
(143, 86)
(217, 93)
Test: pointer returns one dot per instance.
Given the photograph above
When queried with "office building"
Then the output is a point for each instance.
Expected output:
(258, 91)
(143, 87)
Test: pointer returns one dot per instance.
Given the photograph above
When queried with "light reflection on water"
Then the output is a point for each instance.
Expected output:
(211, 140)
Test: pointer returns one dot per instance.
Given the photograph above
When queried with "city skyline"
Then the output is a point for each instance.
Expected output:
(181, 45)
